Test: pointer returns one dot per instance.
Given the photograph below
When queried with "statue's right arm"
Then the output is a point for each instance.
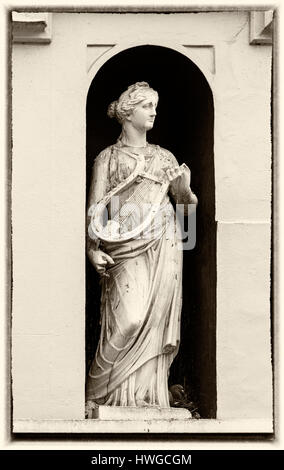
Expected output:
(98, 189)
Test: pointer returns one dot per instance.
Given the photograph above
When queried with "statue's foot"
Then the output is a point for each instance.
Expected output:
(141, 403)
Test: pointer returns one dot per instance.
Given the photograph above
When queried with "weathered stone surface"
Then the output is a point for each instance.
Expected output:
(132, 413)
(48, 199)
(164, 426)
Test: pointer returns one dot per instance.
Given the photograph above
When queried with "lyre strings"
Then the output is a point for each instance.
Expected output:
(136, 204)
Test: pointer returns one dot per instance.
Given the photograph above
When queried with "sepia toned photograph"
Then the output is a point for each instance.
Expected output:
(141, 218)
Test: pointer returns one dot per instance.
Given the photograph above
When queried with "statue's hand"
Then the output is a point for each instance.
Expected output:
(179, 177)
(99, 260)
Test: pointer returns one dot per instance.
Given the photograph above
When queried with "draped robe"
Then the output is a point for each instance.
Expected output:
(141, 299)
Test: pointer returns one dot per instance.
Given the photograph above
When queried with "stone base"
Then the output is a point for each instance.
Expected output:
(156, 426)
(132, 413)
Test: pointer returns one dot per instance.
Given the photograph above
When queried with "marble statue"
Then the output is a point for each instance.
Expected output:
(141, 276)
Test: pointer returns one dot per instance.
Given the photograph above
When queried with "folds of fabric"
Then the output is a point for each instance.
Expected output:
(140, 323)
(141, 299)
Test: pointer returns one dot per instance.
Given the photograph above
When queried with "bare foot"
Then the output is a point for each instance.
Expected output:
(142, 403)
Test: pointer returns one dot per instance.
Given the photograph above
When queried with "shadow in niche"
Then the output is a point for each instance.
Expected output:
(184, 125)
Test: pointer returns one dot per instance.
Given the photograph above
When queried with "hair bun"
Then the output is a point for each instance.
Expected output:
(138, 85)
(111, 111)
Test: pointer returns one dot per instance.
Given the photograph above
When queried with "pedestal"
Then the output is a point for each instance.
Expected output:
(132, 413)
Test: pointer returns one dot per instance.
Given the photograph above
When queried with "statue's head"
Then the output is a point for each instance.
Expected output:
(129, 99)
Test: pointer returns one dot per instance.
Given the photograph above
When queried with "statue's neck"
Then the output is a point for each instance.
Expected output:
(133, 137)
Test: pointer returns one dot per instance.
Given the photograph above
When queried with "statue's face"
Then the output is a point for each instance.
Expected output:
(143, 115)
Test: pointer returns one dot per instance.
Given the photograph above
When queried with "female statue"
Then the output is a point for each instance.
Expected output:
(141, 277)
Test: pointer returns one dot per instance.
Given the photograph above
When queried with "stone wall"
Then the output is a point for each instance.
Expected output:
(50, 84)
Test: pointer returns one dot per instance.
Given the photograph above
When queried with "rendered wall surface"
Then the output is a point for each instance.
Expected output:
(50, 84)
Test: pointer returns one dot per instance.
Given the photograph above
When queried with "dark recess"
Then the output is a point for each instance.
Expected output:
(184, 125)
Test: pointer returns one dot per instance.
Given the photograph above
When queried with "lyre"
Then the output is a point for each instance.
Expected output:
(123, 224)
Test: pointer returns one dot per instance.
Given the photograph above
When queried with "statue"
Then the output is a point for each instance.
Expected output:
(141, 270)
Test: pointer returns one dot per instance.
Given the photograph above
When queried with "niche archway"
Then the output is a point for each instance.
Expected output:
(184, 125)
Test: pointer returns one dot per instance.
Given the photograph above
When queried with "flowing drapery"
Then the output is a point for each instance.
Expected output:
(140, 303)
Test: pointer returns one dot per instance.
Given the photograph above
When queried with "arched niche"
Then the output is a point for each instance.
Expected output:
(185, 126)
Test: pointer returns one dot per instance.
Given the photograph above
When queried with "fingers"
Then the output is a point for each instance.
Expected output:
(101, 270)
(101, 266)
(108, 259)
(105, 274)
(174, 173)
(185, 167)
